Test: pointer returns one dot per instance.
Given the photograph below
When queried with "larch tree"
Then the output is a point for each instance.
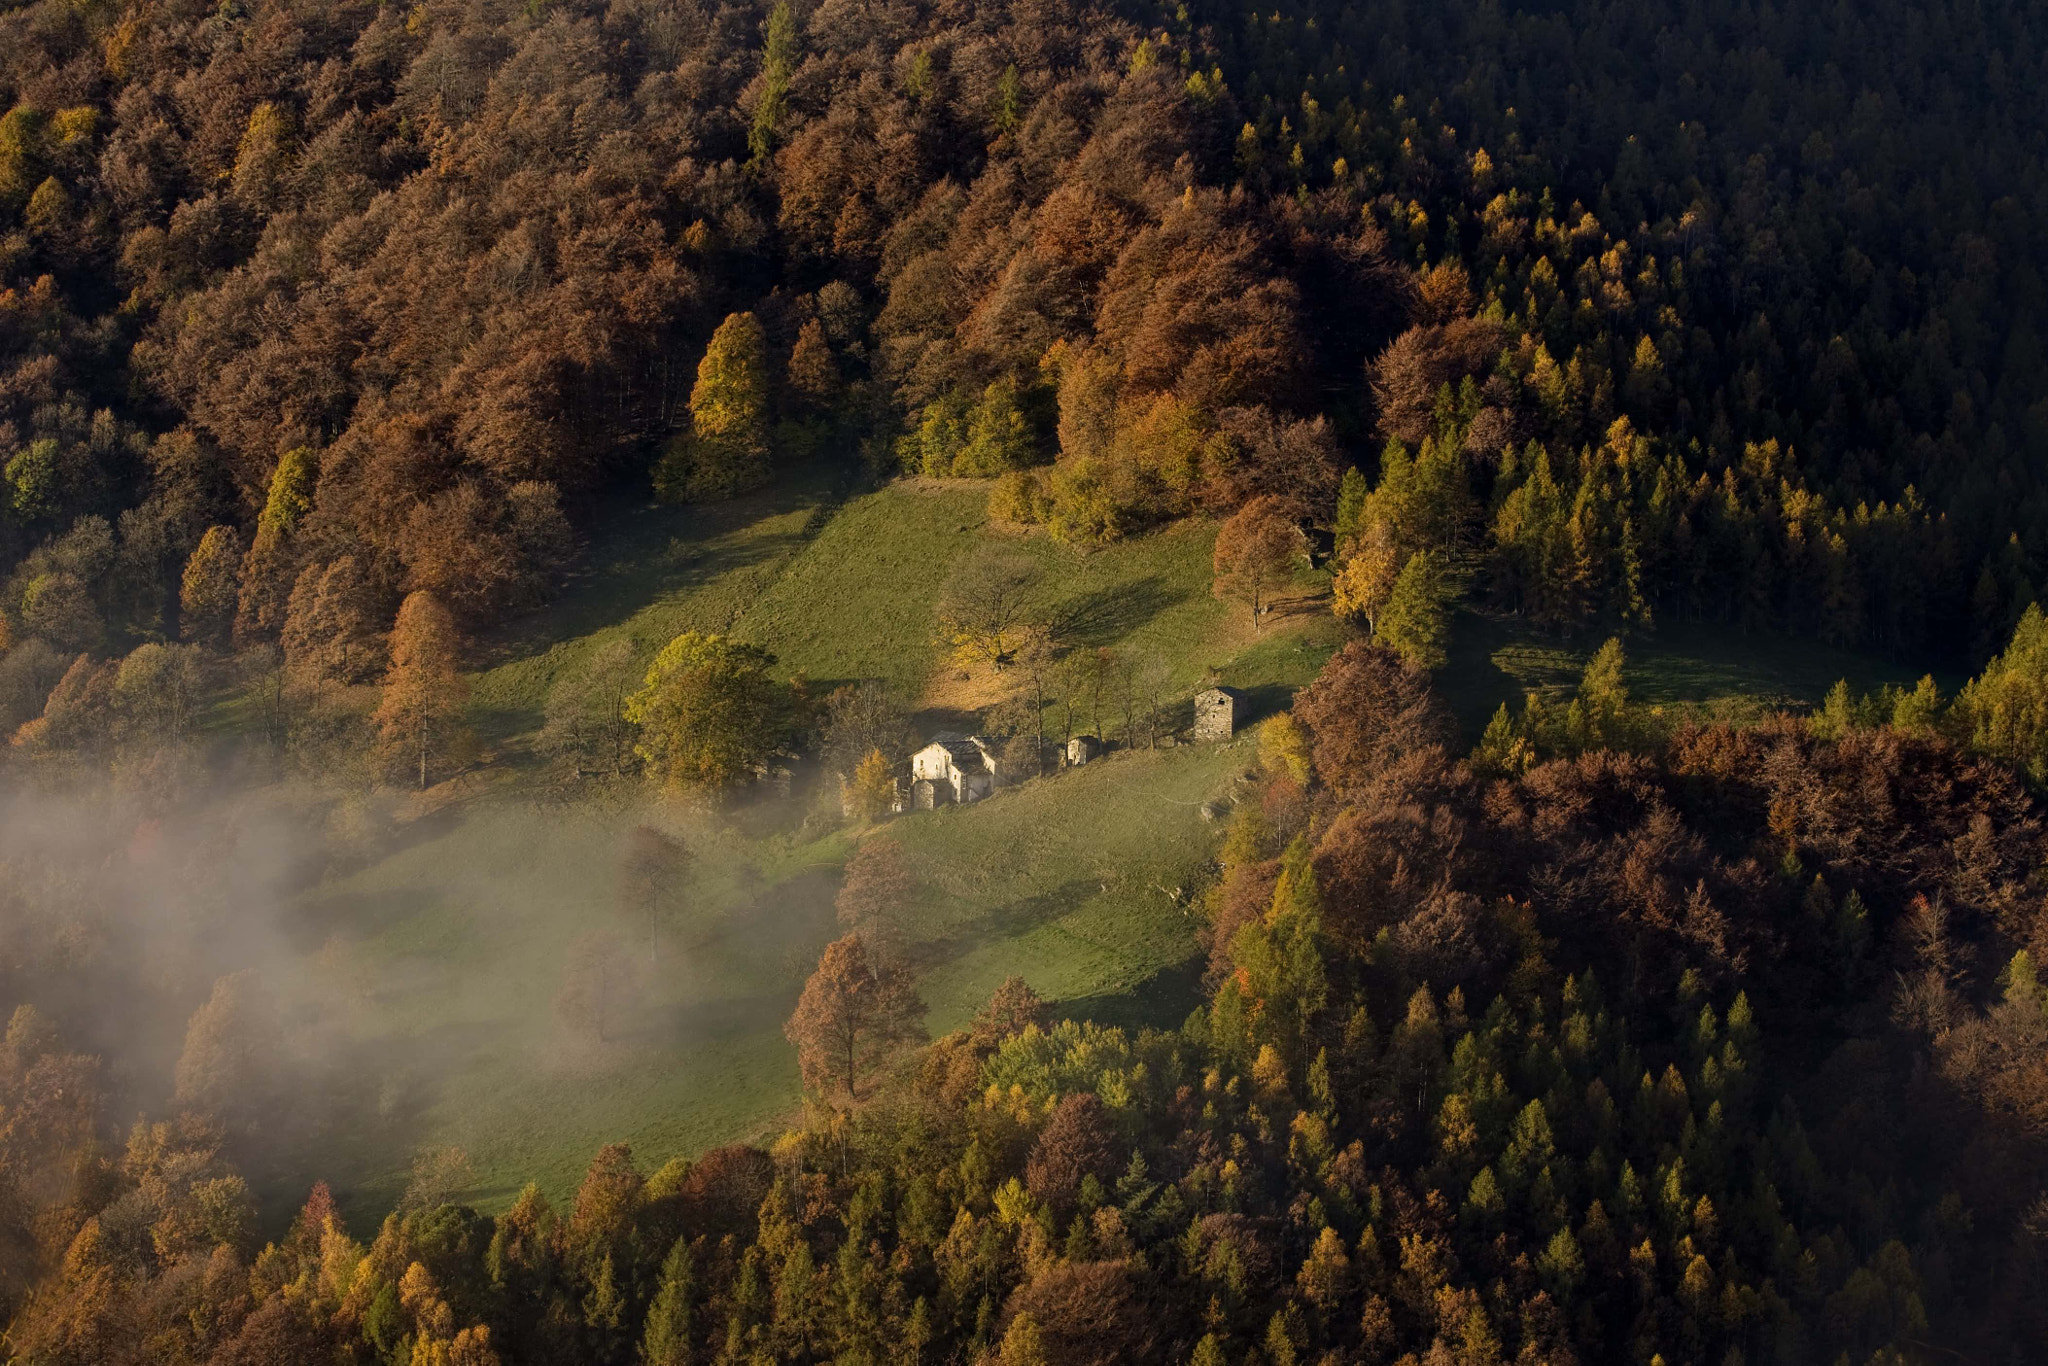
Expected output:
(270, 567)
(1417, 621)
(1257, 551)
(2006, 706)
(726, 449)
(210, 586)
(424, 691)
(778, 63)
(872, 788)
(849, 1016)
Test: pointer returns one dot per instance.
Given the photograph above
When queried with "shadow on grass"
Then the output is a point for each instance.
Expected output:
(1104, 616)
(362, 914)
(1010, 920)
(650, 551)
(1161, 1001)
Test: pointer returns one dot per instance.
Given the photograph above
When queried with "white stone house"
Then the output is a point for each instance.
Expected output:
(953, 768)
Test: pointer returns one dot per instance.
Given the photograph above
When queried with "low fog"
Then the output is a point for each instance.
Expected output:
(446, 1001)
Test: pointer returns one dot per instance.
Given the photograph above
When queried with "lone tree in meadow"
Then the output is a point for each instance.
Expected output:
(1257, 551)
(985, 611)
(423, 690)
(599, 982)
(849, 1016)
(708, 712)
(878, 882)
(653, 867)
(726, 449)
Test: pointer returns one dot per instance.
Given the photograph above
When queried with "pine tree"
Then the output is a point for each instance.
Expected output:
(1350, 518)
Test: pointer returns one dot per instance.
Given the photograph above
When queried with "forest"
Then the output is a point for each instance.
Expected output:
(341, 342)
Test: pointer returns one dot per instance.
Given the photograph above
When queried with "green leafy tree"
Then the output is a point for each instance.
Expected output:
(709, 713)
(778, 63)
(998, 437)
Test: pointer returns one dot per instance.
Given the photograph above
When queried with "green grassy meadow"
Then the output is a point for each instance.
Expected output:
(441, 958)
(447, 951)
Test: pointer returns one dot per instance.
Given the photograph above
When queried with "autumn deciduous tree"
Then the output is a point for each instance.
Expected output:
(860, 719)
(872, 788)
(1074, 1144)
(423, 690)
(850, 1015)
(157, 692)
(1366, 580)
(222, 1068)
(586, 726)
(878, 883)
(210, 586)
(653, 868)
(986, 607)
(331, 624)
(1368, 708)
(709, 714)
(599, 982)
(726, 449)
(1257, 550)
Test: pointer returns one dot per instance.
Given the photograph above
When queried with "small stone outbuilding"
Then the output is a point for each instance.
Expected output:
(1081, 749)
(1216, 714)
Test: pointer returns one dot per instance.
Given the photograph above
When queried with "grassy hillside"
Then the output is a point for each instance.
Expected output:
(1717, 669)
(449, 951)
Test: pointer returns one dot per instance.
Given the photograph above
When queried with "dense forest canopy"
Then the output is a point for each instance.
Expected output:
(330, 334)
(1745, 296)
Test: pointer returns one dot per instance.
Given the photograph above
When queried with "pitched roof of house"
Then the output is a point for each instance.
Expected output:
(969, 753)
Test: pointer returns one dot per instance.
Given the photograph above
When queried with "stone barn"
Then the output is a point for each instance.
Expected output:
(952, 768)
(1216, 714)
(1081, 749)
